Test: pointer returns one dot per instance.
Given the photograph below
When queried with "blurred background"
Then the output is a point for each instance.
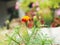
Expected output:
(43, 15)
(5, 14)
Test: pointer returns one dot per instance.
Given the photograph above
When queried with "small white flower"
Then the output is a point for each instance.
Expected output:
(37, 8)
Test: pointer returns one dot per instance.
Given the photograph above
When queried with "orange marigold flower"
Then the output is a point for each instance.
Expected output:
(26, 18)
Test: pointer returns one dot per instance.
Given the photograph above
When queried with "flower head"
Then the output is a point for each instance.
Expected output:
(26, 18)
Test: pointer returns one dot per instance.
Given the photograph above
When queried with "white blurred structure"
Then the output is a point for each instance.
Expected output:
(21, 12)
(53, 33)
(3, 11)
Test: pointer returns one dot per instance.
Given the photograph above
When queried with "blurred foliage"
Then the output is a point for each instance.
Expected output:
(42, 3)
(22, 36)
(47, 8)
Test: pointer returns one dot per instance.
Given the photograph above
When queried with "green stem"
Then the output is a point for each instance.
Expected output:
(13, 39)
(33, 33)
(21, 37)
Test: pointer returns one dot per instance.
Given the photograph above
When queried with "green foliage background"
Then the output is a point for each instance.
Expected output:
(42, 3)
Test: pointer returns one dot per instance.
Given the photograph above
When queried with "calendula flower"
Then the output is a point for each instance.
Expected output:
(26, 18)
